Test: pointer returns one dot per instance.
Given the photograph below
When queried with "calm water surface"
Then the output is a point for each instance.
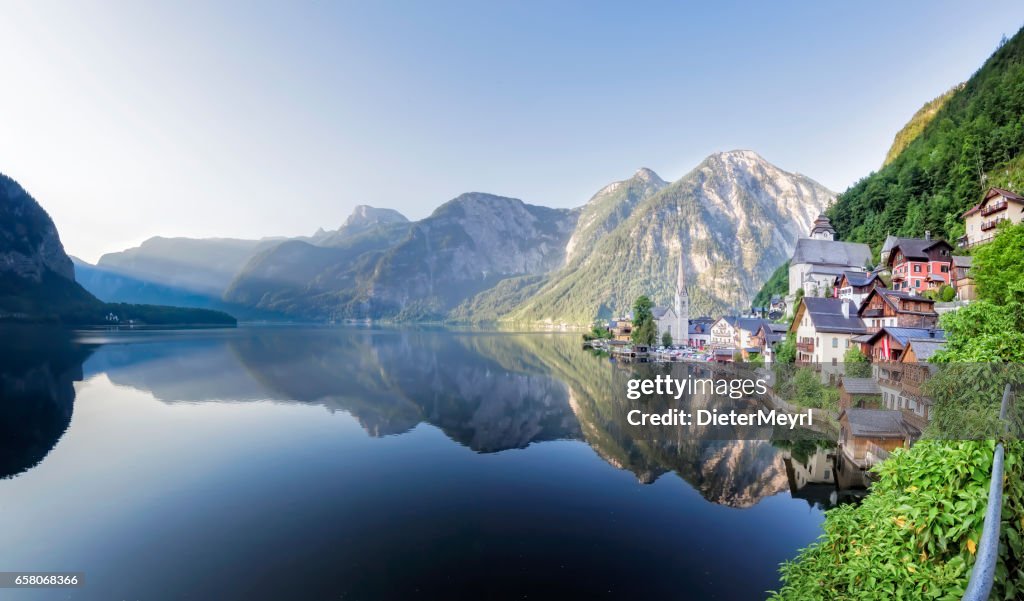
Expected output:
(306, 463)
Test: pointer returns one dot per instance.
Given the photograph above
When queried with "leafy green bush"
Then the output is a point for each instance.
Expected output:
(915, 536)
(947, 293)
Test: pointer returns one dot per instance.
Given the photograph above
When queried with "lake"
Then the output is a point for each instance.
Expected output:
(362, 463)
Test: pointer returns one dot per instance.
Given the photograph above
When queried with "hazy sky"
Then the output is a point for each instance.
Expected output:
(128, 120)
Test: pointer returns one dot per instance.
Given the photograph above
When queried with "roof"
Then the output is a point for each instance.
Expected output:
(876, 423)
(916, 248)
(827, 315)
(1004, 193)
(935, 278)
(924, 348)
(831, 252)
(859, 278)
(891, 296)
(905, 335)
(750, 324)
(861, 386)
(697, 328)
(963, 260)
(778, 327)
(833, 270)
(659, 312)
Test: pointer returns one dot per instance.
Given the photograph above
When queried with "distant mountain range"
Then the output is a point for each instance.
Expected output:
(37, 277)
(485, 257)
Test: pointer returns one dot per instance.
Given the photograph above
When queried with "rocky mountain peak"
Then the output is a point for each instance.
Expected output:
(364, 216)
(647, 175)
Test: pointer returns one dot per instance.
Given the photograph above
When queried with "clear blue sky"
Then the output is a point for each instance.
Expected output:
(258, 118)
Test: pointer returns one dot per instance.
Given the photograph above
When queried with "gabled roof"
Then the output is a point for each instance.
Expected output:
(750, 324)
(924, 348)
(858, 278)
(916, 248)
(861, 386)
(963, 260)
(659, 312)
(827, 315)
(905, 335)
(877, 423)
(1004, 193)
(892, 297)
(831, 252)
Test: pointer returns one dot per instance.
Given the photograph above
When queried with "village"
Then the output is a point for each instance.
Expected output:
(867, 328)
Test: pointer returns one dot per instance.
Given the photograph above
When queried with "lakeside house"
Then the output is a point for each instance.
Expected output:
(981, 220)
(867, 436)
(883, 307)
(890, 342)
(767, 337)
(824, 329)
(860, 393)
(723, 333)
(699, 334)
(918, 264)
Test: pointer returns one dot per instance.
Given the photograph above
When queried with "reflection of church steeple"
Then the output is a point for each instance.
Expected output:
(682, 304)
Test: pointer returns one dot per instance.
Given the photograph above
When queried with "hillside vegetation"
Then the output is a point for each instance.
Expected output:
(977, 137)
(917, 123)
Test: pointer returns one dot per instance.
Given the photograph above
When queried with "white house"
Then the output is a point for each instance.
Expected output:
(820, 258)
(824, 329)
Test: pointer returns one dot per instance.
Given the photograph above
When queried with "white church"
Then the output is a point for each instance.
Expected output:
(675, 319)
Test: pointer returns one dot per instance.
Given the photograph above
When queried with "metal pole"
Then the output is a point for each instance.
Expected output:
(980, 585)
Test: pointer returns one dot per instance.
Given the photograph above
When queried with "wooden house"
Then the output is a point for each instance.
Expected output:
(859, 392)
(894, 308)
(867, 436)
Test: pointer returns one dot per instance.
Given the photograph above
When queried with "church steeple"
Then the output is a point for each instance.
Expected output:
(682, 305)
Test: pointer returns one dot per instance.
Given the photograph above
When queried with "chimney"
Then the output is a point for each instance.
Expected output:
(846, 310)
(927, 234)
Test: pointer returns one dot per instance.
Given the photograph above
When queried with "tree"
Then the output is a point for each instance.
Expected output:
(785, 352)
(999, 265)
(857, 365)
(947, 293)
(666, 339)
(645, 331)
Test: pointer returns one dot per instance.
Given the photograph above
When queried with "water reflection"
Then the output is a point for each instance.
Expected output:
(240, 456)
(489, 392)
(38, 368)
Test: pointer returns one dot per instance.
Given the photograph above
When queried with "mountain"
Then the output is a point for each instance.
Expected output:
(421, 270)
(37, 278)
(976, 139)
(199, 265)
(917, 123)
(735, 218)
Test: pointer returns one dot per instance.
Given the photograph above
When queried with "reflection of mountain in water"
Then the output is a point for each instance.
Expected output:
(490, 392)
(737, 473)
(38, 368)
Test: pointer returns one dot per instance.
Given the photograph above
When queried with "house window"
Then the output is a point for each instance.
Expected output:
(945, 269)
(917, 268)
(847, 343)
(835, 344)
(917, 283)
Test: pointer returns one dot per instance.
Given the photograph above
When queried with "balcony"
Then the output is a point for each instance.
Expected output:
(806, 346)
(991, 225)
(994, 207)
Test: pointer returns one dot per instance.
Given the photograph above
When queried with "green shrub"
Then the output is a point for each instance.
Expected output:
(915, 536)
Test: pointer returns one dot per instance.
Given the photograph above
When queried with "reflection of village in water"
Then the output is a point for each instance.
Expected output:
(488, 392)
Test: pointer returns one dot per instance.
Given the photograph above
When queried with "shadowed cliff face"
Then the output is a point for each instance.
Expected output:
(38, 369)
(487, 391)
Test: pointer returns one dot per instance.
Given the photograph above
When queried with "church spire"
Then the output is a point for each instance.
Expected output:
(680, 276)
